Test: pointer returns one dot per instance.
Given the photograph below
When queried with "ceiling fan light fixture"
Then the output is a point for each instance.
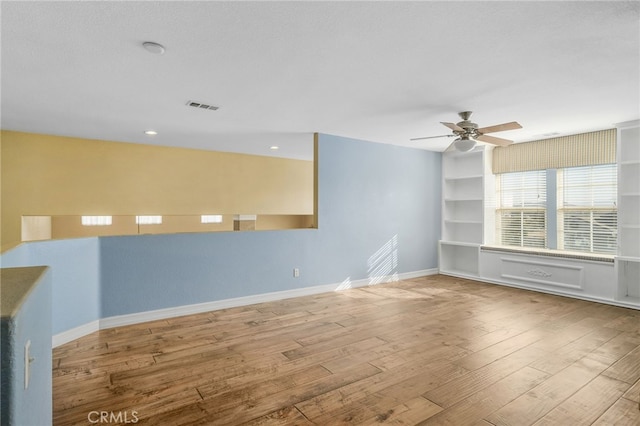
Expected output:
(464, 144)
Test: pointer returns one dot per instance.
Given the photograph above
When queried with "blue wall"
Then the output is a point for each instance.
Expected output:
(75, 269)
(371, 195)
(379, 214)
(148, 272)
(32, 406)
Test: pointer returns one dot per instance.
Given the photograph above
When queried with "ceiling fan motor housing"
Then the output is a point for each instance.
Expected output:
(468, 127)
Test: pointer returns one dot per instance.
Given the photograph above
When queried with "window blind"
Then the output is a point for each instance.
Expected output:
(96, 220)
(587, 210)
(211, 218)
(149, 220)
(557, 153)
(521, 214)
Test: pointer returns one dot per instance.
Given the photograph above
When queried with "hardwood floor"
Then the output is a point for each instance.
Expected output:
(434, 350)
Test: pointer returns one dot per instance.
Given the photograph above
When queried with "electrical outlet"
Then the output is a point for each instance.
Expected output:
(296, 272)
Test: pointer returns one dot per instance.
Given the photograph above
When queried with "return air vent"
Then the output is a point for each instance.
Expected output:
(201, 105)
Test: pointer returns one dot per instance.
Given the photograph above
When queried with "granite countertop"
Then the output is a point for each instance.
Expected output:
(15, 286)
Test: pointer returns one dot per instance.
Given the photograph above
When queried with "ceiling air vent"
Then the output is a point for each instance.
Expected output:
(201, 105)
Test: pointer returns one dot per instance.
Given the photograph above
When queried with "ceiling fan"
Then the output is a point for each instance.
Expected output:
(467, 133)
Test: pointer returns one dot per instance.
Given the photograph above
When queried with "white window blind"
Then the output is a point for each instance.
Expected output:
(211, 218)
(149, 220)
(96, 220)
(587, 210)
(521, 218)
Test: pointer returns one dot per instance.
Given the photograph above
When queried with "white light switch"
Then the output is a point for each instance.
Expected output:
(27, 362)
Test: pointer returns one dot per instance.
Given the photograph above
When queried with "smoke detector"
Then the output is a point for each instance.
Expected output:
(153, 47)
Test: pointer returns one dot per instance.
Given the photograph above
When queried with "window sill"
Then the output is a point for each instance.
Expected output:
(609, 258)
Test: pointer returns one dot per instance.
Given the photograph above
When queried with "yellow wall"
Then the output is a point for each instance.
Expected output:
(51, 175)
(271, 222)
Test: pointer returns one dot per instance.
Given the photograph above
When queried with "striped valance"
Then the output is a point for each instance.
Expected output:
(557, 153)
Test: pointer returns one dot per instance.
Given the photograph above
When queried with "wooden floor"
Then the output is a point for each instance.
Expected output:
(434, 350)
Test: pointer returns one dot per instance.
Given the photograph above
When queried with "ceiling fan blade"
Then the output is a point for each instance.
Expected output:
(453, 126)
(431, 137)
(500, 127)
(494, 140)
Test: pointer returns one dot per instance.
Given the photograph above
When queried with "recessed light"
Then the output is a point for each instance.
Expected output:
(152, 47)
(150, 132)
(274, 148)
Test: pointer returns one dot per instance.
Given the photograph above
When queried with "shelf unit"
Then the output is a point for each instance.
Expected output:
(462, 212)
(628, 273)
(628, 259)
(459, 259)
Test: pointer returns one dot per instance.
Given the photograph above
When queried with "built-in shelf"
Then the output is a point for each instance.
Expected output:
(463, 177)
(628, 259)
(462, 212)
(629, 240)
(459, 259)
(468, 222)
(463, 164)
(628, 272)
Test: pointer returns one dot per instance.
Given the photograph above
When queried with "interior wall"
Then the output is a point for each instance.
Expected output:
(379, 215)
(35, 228)
(31, 322)
(75, 271)
(280, 221)
(71, 226)
(46, 175)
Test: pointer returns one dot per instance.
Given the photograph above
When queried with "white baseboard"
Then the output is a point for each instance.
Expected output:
(158, 314)
(75, 333)
(586, 297)
(178, 311)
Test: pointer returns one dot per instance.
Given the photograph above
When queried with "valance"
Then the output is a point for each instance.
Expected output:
(556, 153)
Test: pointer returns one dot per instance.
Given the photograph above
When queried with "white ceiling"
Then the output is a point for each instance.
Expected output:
(379, 71)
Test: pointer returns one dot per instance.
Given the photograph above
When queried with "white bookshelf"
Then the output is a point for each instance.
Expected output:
(459, 259)
(628, 259)
(462, 212)
(628, 273)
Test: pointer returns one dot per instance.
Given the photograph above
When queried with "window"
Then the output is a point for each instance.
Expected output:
(521, 218)
(211, 218)
(96, 220)
(587, 211)
(586, 217)
(578, 197)
(149, 220)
